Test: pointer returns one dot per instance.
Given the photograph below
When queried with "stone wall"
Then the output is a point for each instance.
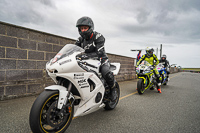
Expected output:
(174, 70)
(24, 53)
(127, 68)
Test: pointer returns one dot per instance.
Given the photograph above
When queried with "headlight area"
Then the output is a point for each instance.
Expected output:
(137, 71)
(52, 70)
(148, 71)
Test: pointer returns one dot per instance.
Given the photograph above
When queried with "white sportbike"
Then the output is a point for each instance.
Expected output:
(80, 89)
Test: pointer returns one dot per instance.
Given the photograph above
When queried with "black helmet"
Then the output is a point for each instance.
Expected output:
(163, 57)
(85, 21)
(149, 51)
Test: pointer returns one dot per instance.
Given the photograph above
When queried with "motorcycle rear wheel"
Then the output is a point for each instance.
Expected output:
(140, 86)
(112, 104)
(45, 117)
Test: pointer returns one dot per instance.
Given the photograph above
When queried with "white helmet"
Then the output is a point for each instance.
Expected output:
(149, 51)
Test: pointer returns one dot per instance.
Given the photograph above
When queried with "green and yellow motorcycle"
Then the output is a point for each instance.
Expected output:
(146, 77)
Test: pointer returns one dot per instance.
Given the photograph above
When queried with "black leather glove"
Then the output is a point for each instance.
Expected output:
(83, 56)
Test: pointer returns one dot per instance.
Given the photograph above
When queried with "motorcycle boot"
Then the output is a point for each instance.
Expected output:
(159, 79)
(159, 85)
(159, 89)
(111, 83)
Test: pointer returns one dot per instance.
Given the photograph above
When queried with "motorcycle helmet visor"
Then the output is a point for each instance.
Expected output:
(149, 52)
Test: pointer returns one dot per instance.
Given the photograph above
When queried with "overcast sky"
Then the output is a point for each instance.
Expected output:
(126, 25)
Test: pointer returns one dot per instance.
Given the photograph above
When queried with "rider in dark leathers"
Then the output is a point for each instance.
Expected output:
(166, 64)
(93, 44)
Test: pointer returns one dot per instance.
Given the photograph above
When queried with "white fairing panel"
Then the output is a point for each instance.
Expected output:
(95, 63)
(80, 81)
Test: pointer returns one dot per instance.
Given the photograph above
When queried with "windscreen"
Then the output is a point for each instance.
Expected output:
(67, 50)
(145, 63)
(159, 65)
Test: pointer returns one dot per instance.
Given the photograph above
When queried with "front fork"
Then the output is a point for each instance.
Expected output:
(145, 80)
(64, 94)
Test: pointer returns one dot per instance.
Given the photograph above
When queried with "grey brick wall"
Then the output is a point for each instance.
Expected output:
(23, 56)
(127, 68)
(8, 41)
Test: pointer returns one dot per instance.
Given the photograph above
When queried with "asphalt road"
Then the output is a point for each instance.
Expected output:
(176, 110)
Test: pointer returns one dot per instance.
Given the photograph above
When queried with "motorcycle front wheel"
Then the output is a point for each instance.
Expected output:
(45, 117)
(140, 86)
(163, 79)
(112, 104)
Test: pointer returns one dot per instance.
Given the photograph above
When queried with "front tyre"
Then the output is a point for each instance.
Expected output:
(112, 104)
(45, 117)
(165, 83)
(140, 86)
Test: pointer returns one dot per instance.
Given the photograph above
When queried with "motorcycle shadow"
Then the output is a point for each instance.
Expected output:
(83, 124)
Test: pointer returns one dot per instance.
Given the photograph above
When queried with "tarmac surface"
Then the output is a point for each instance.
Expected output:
(175, 110)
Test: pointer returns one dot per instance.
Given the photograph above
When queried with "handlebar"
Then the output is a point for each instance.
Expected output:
(87, 64)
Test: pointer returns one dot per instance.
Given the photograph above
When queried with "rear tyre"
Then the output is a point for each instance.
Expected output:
(45, 117)
(110, 105)
(140, 86)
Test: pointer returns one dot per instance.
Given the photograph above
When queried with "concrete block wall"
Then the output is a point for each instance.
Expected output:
(127, 68)
(24, 53)
(174, 70)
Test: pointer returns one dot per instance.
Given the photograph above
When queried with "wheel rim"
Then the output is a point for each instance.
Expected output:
(50, 118)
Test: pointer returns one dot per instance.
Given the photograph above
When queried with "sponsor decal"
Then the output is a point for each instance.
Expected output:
(78, 77)
(65, 62)
(79, 74)
(82, 81)
(54, 60)
(88, 46)
(98, 35)
(58, 55)
(84, 86)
